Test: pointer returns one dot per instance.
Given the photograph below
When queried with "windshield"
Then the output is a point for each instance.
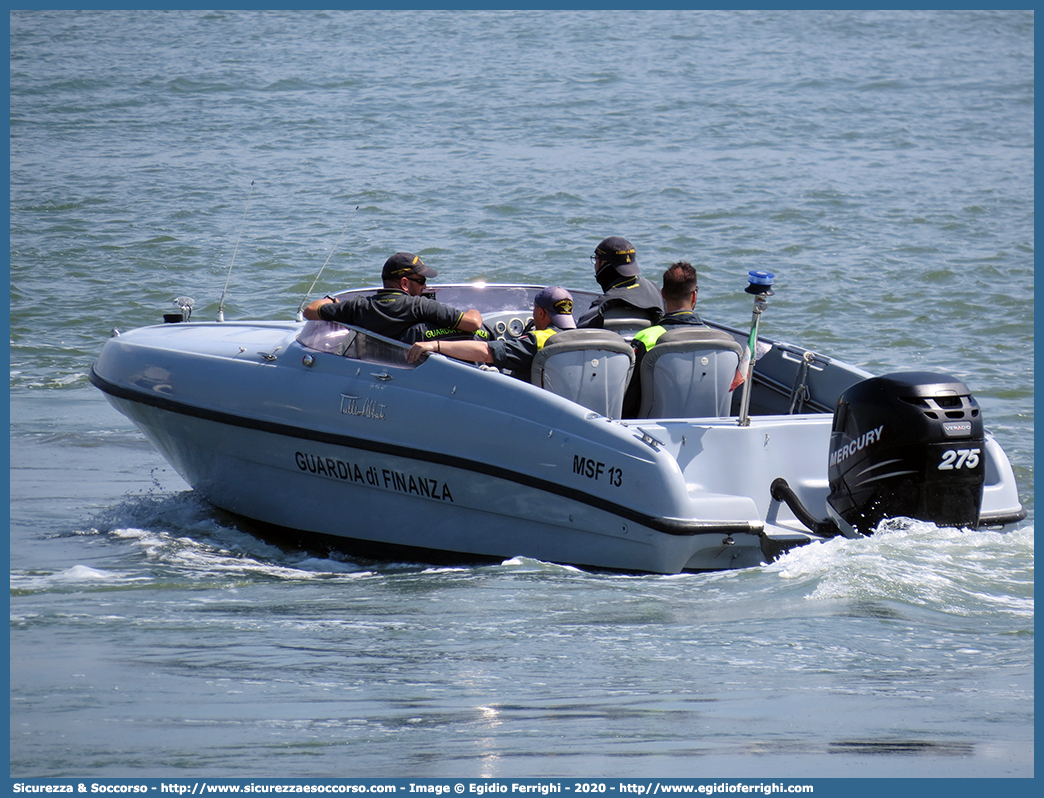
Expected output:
(341, 339)
(505, 310)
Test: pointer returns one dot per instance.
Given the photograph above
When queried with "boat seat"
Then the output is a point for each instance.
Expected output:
(627, 319)
(589, 366)
(687, 374)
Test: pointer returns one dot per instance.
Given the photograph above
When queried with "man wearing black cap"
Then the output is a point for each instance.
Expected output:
(552, 313)
(398, 306)
(617, 272)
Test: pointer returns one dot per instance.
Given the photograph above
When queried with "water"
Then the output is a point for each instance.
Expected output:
(881, 163)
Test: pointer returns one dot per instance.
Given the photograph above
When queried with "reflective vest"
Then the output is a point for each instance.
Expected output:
(677, 319)
(542, 336)
(650, 335)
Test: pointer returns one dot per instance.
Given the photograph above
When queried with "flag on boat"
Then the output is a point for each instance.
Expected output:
(744, 364)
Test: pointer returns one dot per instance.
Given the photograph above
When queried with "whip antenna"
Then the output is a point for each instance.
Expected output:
(221, 306)
(301, 307)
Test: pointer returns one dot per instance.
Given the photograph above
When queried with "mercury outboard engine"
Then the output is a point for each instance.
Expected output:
(908, 444)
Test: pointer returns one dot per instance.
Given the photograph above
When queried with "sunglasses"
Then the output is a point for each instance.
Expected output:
(418, 280)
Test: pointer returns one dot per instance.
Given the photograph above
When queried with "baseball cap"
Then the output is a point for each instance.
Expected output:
(619, 253)
(559, 303)
(402, 264)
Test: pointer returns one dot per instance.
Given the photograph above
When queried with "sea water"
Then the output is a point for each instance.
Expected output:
(879, 162)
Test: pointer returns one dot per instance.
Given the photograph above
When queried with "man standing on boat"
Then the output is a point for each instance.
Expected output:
(399, 305)
(624, 289)
(552, 313)
(679, 300)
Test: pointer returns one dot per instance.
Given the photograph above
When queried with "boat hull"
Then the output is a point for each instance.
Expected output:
(330, 492)
(329, 432)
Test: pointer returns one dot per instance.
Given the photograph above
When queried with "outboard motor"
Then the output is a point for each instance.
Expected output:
(908, 444)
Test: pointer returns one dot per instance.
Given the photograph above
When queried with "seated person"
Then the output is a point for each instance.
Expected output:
(427, 332)
(398, 306)
(617, 272)
(679, 299)
(552, 313)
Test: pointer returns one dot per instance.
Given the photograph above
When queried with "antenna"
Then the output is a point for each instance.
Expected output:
(301, 307)
(221, 306)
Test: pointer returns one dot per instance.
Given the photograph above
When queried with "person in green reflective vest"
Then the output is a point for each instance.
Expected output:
(552, 313)
(679, 302)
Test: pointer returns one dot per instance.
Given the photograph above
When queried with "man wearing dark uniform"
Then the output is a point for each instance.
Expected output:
(679, 299)
(617, 272)
(398, 306)
(552, 313)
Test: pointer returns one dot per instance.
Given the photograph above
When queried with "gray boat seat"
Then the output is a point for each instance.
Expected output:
(627, 319)
(589, 366)
(687, 374)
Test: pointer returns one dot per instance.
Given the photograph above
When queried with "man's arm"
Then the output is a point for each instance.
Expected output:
(470, 321)
(474, 351)
(312, 311)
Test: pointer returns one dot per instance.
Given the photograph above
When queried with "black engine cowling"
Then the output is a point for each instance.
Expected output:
(907, 444)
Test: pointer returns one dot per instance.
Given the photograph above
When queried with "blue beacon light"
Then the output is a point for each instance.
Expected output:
(760, 283)
(761, 287)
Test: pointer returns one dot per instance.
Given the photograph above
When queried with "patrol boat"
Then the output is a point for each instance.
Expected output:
(325, 435)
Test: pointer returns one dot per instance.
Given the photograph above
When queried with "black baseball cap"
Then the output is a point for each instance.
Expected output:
(403, 264)
(619, 253)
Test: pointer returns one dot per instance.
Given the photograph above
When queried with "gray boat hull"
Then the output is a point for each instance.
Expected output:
(447, 458)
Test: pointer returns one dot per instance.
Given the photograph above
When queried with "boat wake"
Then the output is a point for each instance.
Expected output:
(960, 572)
(161, 540)
(172, 540)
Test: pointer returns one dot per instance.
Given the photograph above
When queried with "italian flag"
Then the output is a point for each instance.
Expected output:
(744, 364)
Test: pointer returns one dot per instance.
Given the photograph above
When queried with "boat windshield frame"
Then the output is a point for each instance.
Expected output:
(346, 340)
(484, 297)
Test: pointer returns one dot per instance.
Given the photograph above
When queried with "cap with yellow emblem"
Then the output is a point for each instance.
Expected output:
(559, 303)
(619, 253)
(403, 264)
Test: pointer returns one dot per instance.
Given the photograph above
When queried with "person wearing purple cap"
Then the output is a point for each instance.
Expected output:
(398, 306)
(552, 313)
(616, 270)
